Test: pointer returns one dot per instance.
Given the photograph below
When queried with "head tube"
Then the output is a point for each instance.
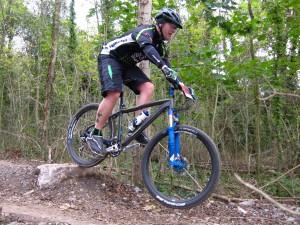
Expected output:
(171, 91)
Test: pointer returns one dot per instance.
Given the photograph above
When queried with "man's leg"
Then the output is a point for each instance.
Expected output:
(141, 85)
(146, 93)
(110, 72)
(95, 139)
(105, 108)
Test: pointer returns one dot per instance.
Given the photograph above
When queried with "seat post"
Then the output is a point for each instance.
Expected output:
(121, 106)
(121, 102)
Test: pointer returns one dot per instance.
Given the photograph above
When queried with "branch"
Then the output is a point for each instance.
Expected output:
(266, 196)
(278, 178)
(279, 93)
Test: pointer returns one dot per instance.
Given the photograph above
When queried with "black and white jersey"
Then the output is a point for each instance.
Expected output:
(141, 43)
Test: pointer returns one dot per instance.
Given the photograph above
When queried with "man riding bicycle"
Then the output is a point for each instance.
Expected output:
(117, 65)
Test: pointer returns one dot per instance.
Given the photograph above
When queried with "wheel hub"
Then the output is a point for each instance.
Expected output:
(179, 164)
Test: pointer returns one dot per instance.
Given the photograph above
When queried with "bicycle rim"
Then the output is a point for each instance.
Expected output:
(190, 185)
(80, 126)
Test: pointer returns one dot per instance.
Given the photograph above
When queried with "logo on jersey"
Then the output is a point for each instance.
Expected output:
(138, 56)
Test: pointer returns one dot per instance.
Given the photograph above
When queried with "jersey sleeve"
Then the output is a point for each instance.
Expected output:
(144, 37)
(153, 55)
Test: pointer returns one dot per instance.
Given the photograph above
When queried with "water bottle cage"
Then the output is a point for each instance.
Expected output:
(137, 121)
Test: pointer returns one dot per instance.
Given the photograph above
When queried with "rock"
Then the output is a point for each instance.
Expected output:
(51, 174)
(137, 190)
(72, 199)
(28, 192)
(242, 210)
(247, 203)
(291, 219)
(149, 207)
(13, 223)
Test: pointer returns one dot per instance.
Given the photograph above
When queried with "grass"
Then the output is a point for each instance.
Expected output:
(287, 186)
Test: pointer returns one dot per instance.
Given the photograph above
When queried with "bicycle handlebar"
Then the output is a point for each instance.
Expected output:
(188, 92)
(189, 95)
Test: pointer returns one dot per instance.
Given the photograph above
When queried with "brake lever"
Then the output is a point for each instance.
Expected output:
(190, 95)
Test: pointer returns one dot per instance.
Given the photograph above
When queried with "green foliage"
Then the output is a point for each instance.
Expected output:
(285, 187)
(125, 14)
(72, 27)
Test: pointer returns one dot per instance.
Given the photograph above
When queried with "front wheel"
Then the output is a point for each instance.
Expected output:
(194, 182)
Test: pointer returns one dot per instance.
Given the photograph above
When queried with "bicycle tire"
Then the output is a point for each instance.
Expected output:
(75, 145)
(159, 189)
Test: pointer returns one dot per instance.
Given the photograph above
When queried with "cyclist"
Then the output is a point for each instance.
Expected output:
(117, 65)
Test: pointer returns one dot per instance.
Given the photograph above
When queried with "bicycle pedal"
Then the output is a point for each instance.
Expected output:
(113, 148)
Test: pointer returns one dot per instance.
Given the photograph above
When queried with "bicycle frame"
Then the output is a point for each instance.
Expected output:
(165, 105)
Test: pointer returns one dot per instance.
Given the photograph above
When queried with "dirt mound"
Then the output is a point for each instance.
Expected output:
(101, 199)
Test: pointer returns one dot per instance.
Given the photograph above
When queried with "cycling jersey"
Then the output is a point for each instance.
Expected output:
(141, 43)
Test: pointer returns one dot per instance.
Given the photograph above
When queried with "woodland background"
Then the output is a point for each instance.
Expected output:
(241, 57)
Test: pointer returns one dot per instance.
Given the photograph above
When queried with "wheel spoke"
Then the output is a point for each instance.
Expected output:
(195, 181)
(184, 183)
(80, 126)
(164, 148)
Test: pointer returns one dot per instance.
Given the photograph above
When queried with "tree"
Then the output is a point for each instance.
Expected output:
(72, 37)
(51, 73)
(256, 96)
(144, 17)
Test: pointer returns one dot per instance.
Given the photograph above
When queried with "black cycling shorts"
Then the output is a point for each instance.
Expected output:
(113, 74)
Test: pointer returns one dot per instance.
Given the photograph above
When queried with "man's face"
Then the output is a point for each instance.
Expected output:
(168, 29)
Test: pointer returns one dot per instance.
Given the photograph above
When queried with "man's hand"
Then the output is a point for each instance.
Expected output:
(187, 91)
(184, 88)
(171, 76)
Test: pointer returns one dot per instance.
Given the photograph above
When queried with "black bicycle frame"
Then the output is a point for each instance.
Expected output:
(164, 105)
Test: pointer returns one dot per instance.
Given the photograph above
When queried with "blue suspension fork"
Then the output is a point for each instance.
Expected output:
(174, 138)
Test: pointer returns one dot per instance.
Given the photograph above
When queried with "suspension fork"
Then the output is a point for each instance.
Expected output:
(173, 137)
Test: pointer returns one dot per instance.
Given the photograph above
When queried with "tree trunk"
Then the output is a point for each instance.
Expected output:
(279, 46)
(144, 17)
(97, 16)
(51, 74)
(72, 38)
(106, 17)
(256, 100)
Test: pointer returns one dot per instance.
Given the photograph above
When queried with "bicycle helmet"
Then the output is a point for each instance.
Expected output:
(167, 15)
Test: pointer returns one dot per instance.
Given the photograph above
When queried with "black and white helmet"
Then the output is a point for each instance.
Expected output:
(167, 15)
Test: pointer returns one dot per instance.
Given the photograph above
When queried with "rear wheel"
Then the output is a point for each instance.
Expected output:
(79, 128)
(191, 179)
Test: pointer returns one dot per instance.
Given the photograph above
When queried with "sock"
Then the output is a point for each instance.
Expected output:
(97, 132)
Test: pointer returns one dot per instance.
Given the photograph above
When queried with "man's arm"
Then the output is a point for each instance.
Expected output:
(144, 39)
(153, 55)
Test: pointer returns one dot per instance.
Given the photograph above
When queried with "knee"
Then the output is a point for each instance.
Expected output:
(147, 88)
(113, 95)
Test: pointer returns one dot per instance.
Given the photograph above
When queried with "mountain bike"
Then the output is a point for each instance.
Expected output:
(180, 164)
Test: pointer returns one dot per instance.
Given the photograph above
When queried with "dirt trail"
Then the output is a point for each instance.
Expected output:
(103, 200)
(37, 213)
